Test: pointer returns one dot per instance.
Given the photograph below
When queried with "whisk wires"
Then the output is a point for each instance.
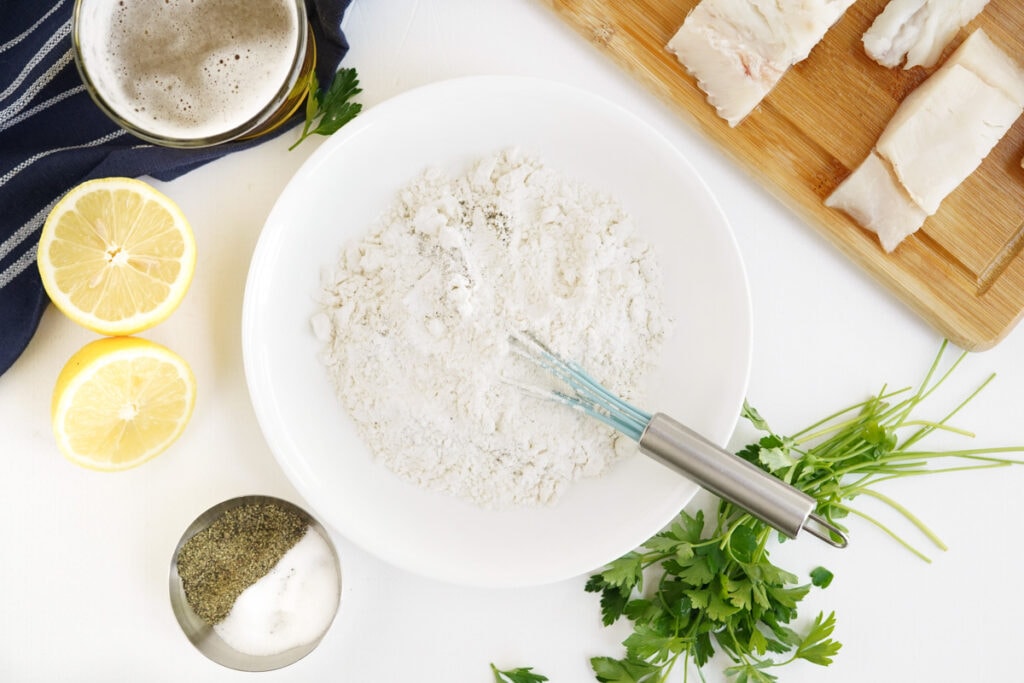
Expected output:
(583, 392)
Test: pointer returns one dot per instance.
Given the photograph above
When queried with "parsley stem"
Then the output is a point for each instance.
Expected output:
(970, 453)
(302, 136)
(930, 471)
(832, 429)
(889, 532)
(668, 668)
(938, 426)
(926, 431)
(802, 436)
(910, 516)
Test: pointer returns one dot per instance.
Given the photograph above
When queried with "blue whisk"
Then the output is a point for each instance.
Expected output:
(678, 447)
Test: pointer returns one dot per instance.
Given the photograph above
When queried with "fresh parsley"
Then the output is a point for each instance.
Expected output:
(330, 108)
(520, 675)
(696, 589)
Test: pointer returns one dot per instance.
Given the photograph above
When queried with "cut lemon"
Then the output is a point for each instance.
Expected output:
(116, 255)
(120, 401)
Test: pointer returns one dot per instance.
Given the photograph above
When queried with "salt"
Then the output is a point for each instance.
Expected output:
(292, 605)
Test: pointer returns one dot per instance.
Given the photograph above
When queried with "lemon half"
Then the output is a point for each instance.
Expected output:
(120, 401)
(116, 255)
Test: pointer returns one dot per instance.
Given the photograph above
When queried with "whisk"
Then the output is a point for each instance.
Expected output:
(768, 498)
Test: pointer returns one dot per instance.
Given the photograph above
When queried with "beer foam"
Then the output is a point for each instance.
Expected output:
(189, 69)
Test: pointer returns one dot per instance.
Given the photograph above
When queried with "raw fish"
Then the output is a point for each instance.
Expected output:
(739, 49)
(938, 136)
(917, 30)
(875, 199)
(942, 131)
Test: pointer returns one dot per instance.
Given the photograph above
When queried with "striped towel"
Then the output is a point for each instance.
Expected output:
(52, 137)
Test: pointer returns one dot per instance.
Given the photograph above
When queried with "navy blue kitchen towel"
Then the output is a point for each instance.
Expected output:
(52, 137)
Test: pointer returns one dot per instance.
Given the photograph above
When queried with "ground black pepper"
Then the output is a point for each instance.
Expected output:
(238, 549)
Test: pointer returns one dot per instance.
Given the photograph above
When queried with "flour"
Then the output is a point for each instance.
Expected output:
(416, 317)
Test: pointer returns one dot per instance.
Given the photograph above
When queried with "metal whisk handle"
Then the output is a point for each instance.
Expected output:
(735, 480)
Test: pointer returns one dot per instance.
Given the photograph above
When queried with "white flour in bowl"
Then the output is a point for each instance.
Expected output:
(416, 316)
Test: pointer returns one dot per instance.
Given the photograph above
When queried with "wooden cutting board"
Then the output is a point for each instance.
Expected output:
(963, 271)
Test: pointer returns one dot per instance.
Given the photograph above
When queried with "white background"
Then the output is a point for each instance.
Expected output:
(85, 555)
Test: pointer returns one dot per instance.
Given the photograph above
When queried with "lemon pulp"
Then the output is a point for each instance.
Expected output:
(116, 255)
(120, 401)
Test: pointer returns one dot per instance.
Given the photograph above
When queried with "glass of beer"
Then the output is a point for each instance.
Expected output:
(194, 73)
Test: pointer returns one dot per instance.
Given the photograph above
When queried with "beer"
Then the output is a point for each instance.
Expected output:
(194, 72)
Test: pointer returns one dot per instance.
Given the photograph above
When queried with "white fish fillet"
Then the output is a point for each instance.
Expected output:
(875, 199)
(739, 49)
(942, 131)
(938, 136)
(917, 30)
(979, 54)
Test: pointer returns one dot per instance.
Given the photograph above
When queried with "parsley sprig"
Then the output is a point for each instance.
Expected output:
(689, 590)
(330, 108)
(720, 588)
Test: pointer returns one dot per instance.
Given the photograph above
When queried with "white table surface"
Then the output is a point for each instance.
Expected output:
(85, 555)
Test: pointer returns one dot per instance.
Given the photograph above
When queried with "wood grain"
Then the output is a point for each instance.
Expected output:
(963, 271)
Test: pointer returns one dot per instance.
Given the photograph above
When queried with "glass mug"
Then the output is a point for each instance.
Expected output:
(194, 73)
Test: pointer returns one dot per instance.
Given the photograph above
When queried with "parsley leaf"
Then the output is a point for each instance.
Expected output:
(752, 673)
(776, 458)
(625, 572)
(817, 647)
(328, 109)
(749, 413)
(743, 544)
(821, 577)
(647, 642)
(608, 670)
(520, 675)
